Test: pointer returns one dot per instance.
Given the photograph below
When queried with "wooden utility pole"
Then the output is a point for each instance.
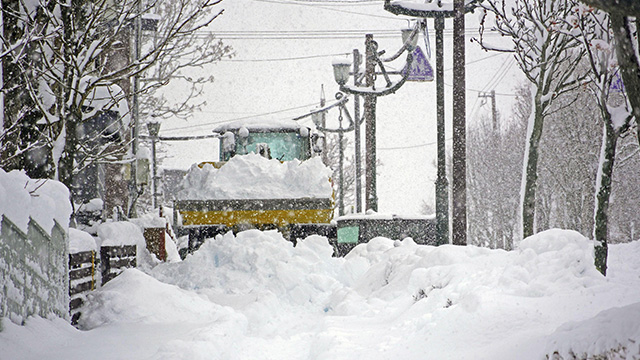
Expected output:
(458, 185)
(370, 124)
(442, 193)
(494, 111)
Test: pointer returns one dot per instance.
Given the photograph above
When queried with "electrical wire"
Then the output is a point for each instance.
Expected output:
(284, 59)
(342, 2)
(324, 7)
(410, 146)
(312, 34)
(239, 118)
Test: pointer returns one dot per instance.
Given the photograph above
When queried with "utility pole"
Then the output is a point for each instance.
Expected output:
(494, 113)
(442, 193)
(136, 109)
(356, 101)
(370, 126)
(458, 186)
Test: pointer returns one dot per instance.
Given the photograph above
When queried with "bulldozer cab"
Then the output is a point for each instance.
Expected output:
(282, 140)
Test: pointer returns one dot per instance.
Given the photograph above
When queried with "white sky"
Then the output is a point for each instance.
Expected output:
(248, 85)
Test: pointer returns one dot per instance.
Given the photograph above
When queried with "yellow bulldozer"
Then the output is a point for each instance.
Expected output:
(268, 177)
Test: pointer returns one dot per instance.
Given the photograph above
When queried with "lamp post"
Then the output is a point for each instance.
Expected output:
(438, 11)
(154, 129)
(370, 94)
(318, 117)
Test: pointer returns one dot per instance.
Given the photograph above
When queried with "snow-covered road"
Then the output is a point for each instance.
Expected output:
(255, 296)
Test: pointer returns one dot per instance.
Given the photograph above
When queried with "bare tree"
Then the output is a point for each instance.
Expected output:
(494, 159)
(349, 171)
(188, 52)
(548, 57)
(592, 27)
(79, 81)
(625, 22)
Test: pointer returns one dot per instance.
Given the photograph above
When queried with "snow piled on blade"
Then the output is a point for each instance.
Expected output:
(255, 177)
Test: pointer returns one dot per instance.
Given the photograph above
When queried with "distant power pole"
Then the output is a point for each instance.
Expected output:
(494, 113)
(458, 183)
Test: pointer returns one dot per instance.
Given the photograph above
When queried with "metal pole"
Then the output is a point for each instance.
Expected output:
(154, 139)
(459, 211)
(325, 153)
(341, 165)
(442, 192)
(136, 108)
(356, 101)
(370, 130)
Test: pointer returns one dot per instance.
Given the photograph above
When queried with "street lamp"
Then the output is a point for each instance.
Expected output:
(369, 91)
(341, 69)
(318, 115)
(154, 129)
(439, 11)
(409, 38)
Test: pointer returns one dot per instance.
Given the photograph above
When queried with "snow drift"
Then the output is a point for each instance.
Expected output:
(255, 296)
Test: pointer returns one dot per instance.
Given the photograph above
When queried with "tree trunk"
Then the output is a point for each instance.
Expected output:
(629, 65)
(603, 193)
(14, 93)
(530, 168)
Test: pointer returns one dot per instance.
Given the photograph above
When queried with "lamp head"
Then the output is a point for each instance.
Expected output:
(154, 128)
(317, 118)
(341, 70)
(412, 40)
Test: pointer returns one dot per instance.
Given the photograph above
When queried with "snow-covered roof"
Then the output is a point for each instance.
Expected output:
(257, 125)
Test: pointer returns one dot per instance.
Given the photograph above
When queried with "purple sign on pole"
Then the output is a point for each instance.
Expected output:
(616, 83)
(420, 69)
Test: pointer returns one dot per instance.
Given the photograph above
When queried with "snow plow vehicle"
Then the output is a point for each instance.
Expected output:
(267, 177)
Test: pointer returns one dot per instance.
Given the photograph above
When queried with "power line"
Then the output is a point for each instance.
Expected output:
(239, 118)
(285, 59)
(342, 2)
(324, 7)
(333, 55)
(312, 34)
(411, 146)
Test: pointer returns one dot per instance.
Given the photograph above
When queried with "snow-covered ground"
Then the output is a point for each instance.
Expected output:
(255, 296)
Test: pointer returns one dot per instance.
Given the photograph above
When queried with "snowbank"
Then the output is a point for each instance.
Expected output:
(136, 297)
(258, 264)
(80, 241)
(154, 220)
(255, 177)
(612, 334)
(255, 296)
(119, 233)
(43, 199)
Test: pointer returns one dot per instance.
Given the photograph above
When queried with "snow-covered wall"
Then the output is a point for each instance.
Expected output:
(34, 252)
